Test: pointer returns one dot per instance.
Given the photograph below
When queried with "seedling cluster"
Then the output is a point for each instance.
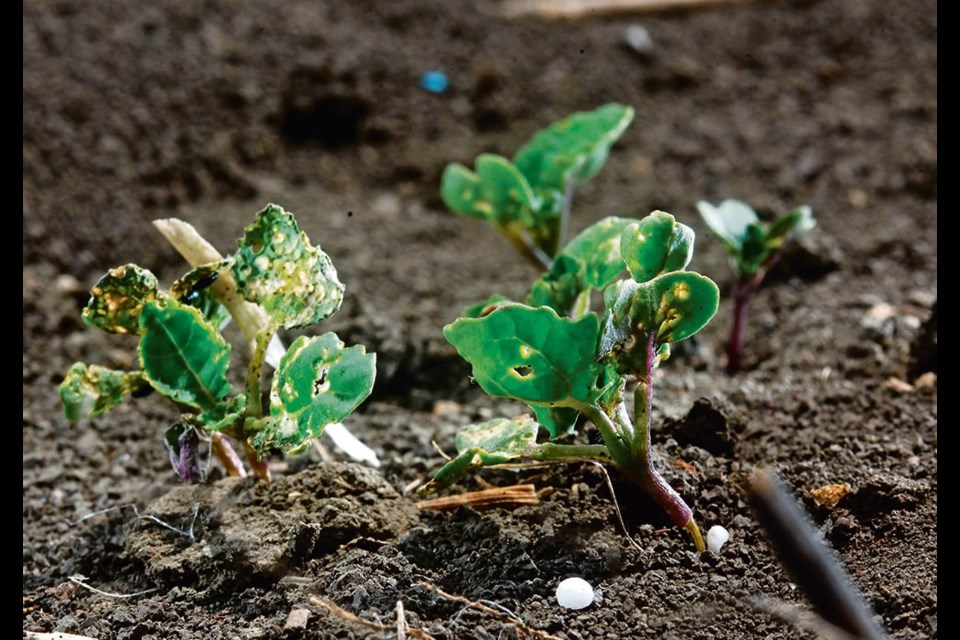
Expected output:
(275, 280)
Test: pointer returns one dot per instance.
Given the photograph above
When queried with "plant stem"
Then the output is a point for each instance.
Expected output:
(255, 374)
(260, 466)
(522, 243)
(617, 441)
(228, 457)
(742, 295)
(549, 451)
(642, 469)
(565, 214)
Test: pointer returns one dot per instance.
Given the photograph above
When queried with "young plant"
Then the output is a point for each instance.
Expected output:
(565, 361)
(754, 248)
(275, 280)
(528, 200)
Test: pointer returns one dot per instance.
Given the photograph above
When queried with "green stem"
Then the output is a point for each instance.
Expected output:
(550, 451)
(534, 255)
(565, 215)
(616, 439)
(255, 373)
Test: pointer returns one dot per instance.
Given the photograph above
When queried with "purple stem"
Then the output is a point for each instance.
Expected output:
(743, 292)
(645, 473)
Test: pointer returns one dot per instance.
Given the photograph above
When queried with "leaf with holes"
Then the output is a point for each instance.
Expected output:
(531, 354)
(118, 298)
(669, 308)
(276, 267)
(493, 442)
(193, 288)
(657, 244)
(184, 358)
(574, 148)
(319, 381)
(88, 391)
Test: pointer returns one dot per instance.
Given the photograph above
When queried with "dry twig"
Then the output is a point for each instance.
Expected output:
(343, 614)
(515, 495)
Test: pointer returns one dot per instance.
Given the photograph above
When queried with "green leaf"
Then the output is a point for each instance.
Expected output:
(118, 298)
(598, 247)
(531, 354)
(461, 191)
(557, 420)
(505, 188)
(88, 391)
(669, 308)
(790, 225)
(482, 308)
(574, 148)
(276, 267)
(184, 358)
(319, 381)
(729, 222)
(559, 287)
(193, 289)
(657, 244)
(493, 442)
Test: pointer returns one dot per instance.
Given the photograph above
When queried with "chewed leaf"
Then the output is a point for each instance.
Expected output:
(574, 148)
(88, 391)
(493, 442)
(193, 289)
(531, 354)
(184, 358)
(118, 298)
(656, 244)
(598, 247)
(559, 287)
(276, 267)
(319, 381)
(669, 308)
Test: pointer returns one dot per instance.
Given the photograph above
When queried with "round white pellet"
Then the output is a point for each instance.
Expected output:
(716, 538)
(574, 593)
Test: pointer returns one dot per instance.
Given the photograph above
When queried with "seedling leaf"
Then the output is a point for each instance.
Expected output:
(598, 247)
(185, 358)
(574, 148)
(559, 287)
(276, 267)
(118, 298)
(319, 381)
(790, 225)
(482, 308)
(88, 391)
(656, 244)
(531, 354)
(492, 442)
(193, 289)
(729, 222)
(183, 447)
(671, 307)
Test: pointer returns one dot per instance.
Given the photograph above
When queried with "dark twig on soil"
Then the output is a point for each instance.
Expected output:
(343, 614)
(522, 629)
(810, 562)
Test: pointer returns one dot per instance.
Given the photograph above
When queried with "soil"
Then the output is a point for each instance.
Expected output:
(208, 110)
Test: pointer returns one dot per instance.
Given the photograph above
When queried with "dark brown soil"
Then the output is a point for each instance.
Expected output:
(209, 110)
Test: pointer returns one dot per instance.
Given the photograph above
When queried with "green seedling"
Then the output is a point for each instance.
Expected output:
(275, 280)
(565, 361)
(528, 199)
(754, 248)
